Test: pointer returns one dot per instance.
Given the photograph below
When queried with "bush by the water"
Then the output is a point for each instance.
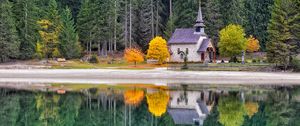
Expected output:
(94, 59)
(295, 64)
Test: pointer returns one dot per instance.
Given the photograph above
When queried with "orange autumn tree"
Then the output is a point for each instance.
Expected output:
(251, 108)
(158, 50)
(157, 103)
(252, 44)
(133, 97)
(133, 55)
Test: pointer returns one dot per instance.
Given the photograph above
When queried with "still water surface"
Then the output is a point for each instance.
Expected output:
(150, 105)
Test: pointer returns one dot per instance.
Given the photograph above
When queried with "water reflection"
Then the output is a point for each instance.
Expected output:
(149, 105)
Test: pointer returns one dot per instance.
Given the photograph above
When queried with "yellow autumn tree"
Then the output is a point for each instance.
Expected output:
(251, 108)
(158, 50)
(252, 44)
(157, 103)
(133, 55)
(133, 97)
(49, 34)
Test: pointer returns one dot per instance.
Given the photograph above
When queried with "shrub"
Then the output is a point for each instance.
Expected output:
(254, 60)
(295, 64)
(94, 59)
(133, 55)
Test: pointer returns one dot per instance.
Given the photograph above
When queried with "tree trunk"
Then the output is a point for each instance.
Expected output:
(152, 19)
(125, 115)
(115, 105)
(126, 24)
(90, 47)
(99, 52)
(171, 9)
(115, 27)
(130, 23)
(157, 16)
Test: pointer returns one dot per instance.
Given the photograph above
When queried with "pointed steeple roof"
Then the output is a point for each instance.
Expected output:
(199, 21)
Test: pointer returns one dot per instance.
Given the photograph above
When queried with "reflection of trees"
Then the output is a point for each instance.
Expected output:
(212, 119)
(157, 103)
(231, 110)
(47, 105)
(9, 108)
(133, 97)
(251, 108)
(278, 110)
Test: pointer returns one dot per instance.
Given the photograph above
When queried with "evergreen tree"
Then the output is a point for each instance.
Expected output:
(74, 6)
(26, 17)
(213, 19)
(283, 30)
(69, 41)
(258, 15)
(9, 41)
(84, 26)
(185, 13)
(52, 14)
(232, 11)
(170, 27)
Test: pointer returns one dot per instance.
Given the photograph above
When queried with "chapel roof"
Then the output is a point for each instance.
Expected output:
(184, 36)
(203, 47)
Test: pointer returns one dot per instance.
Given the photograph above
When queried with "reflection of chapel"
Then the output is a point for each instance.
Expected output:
(193, 40)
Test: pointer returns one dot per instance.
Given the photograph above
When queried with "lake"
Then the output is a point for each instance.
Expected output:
(36, 104)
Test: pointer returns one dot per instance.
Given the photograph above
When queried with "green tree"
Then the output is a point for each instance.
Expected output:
(69, 41)
(212, 118)
(213, 19)
(84, 21)
(233, 11)
(258, 14)
(170, 27)
(48, 106)
(232, 40)
(69, 109)
(185, 13)
(9, 41)
(26, 15)
(9, 109)
(278, 110)
(232, 111)
(283, 32)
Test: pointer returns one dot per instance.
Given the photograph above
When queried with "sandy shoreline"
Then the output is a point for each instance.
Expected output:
(159, 77)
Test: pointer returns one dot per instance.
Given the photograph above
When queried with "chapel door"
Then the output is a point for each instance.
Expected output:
(202, 56)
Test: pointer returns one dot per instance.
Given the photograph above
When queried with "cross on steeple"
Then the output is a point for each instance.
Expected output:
(199, 26)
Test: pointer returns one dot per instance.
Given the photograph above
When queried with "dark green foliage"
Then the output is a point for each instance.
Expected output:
(69, 109)
(212, 119)
(258, 14)
(9, 41)
(232, 11)
(213, 19)
(185, 13)
(69, 41)
(9, 110)
(83, 22)
(28, 115)
(283, 36)
(295, 64)
(277, 109)
(52, 13)
(26, 16)
(258, 119)
(74, 6)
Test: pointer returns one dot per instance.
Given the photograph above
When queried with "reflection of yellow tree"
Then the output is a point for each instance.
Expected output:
(251, 108)
(133, 97)
(47, 105)
(157, 103)
(232, 111)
